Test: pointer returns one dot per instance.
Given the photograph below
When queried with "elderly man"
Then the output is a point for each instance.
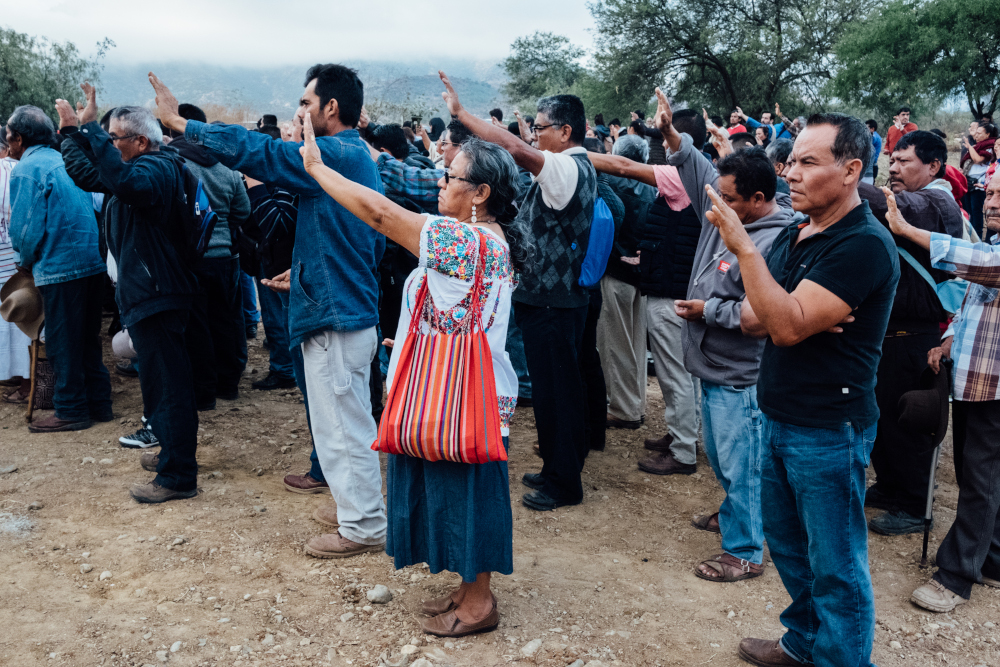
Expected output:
(621, 329)
(333, 302)
(155, 289)
(901, 458)
(817, 391)
(970, 552)
(550, 304)
(54, 235)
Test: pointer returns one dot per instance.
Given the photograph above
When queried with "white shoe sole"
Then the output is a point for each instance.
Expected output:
(992, 583)
(135, 444)
(937, 607)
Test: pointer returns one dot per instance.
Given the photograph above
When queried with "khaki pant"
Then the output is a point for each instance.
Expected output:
(681, 391)
(621, 341)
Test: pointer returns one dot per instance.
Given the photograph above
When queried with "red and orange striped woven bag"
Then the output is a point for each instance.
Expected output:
(443, 401)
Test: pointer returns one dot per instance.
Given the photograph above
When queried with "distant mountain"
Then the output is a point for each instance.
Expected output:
(394, 87)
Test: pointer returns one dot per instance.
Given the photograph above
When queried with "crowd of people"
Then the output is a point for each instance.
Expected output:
(802, 324)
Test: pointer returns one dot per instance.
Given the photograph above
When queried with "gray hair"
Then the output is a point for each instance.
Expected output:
(140, 121)
(633, 147)
(491, 165)
(32, 126)
(779, 150)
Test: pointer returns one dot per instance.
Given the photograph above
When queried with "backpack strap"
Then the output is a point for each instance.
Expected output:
(918, 267)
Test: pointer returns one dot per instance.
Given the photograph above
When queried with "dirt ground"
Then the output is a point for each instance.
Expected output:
(92, 578)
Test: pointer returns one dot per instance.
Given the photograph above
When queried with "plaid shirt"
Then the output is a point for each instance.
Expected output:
(976, 326)
(399, 178)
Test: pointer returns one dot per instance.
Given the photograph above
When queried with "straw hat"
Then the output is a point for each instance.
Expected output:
(21, 303)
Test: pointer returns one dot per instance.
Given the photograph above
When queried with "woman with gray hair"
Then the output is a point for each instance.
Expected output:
(633, 147)
(452, 516)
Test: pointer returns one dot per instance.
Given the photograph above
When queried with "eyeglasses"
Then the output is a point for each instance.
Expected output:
(536, 128)
(121, 138)
(448, 178)
(449, 143)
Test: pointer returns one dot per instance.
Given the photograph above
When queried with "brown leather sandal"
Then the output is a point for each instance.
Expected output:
(16, 398)
(708, 522)
(438, 606)
(730, 568)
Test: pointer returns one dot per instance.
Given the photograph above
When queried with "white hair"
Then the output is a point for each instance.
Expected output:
(633, 147)
(140, 121)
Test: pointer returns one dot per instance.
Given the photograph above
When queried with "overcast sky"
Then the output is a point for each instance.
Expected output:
(255, 32)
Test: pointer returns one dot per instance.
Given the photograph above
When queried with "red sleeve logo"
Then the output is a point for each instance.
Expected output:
(723, 266)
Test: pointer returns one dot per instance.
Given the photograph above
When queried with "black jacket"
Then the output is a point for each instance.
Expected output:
(668, 245)
(637, 198)
(274, 212)
(142, 224)
(916, 307)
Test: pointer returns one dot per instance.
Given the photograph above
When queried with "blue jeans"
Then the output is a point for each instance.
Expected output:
(276, 328)
(299, 371)
(250, 313)
(731, 428)
(812, 494)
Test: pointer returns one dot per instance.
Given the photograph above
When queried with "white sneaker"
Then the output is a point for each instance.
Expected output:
(933, 596)
(141, 439)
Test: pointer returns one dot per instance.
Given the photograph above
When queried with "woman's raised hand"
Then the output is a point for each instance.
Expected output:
(311, 157)
(449, 95)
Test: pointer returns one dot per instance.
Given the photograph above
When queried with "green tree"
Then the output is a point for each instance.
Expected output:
(539, 65)
(722, 54)
(36, 71)
(920, 53)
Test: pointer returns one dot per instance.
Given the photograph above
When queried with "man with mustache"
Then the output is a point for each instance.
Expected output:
(970, 553)
(902, 460)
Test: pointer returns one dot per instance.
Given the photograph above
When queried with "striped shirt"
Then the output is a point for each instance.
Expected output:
(7, 267)
(399, 178)
(975, 349)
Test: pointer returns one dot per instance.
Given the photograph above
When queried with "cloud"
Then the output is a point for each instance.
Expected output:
(257, 33)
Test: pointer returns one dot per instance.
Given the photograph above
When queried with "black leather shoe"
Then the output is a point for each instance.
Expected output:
(251, 331)
(533, 480)
(273, 381)
(543, 502)
(126, 368)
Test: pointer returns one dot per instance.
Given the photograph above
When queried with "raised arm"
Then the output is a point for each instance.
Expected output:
(616, 165)
(253, 153)
(374, 209)
(524, 154)
(788, 318)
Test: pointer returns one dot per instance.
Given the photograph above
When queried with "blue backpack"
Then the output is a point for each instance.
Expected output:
(602, 238)
(197, 217)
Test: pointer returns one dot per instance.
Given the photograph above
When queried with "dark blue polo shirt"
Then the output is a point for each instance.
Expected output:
(829, 379)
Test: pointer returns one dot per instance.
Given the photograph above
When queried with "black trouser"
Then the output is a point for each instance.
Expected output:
(553, 339)
(971, 548)
(73, 347)
(166, 381)
(902, 459)
(216, 336)
(596, 406)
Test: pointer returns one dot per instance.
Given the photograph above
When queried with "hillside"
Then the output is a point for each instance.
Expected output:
(395, 88)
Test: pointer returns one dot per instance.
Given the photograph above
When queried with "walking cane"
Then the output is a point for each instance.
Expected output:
(929, 511)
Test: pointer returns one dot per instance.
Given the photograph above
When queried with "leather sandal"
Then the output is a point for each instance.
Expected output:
(450, 625)
(15, 398)
(730, 568)
(438, 606)
(708, 523)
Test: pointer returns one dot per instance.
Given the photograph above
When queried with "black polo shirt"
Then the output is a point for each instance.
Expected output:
(829, 379)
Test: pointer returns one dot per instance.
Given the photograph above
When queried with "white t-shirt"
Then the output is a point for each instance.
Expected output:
(558, 177)
(449, 255)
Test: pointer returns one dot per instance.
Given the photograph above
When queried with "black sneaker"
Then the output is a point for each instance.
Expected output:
(141, 439)
(542, 502)
(273, 381)
(251, 331)
(126, 368)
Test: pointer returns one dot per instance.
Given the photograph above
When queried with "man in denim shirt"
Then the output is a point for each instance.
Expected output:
(54, 235)
(333, 290)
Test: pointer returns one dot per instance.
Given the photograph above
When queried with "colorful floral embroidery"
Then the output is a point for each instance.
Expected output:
(506, 404)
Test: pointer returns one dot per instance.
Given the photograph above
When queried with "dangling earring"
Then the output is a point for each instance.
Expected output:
(473, 214)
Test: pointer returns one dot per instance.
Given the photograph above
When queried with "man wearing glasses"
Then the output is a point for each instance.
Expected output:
(550, 305)
(155, 288)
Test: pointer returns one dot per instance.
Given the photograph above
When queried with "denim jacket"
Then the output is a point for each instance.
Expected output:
(335, 256)
(52, 227)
